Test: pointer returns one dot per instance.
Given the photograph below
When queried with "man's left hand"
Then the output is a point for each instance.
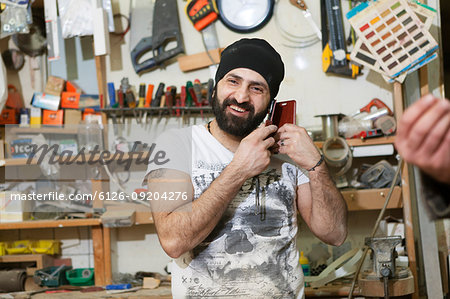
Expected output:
(296, 143)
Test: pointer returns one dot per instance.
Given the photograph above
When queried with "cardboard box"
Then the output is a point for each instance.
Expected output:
(89, 101)
(70, 100)
(8, 117)
(54, 86)
(35, 117)
(12, 209)
(72, 117)
(53, 118)
(46, 101)
(72, 87)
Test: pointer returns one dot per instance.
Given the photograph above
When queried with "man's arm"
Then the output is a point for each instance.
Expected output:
(322, 207)
(319, 202)
(182, 227)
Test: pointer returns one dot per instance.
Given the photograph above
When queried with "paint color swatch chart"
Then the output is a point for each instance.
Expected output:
(392, 38)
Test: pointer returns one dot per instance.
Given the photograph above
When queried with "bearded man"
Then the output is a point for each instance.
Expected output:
(233, 232)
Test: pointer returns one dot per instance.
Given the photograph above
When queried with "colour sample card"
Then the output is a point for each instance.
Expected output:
(393, 34)
(362, 55)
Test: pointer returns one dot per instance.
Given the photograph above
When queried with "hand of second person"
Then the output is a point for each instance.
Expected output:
(296, 143)
(423, 137)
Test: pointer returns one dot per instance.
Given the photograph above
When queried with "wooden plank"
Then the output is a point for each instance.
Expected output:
(330, 290)
(51, 223)
(407, 208)
(107, 255)
(99, 255)
(360, 142)
(372, 199)
(144, 216)
(398, 100)
(200, 60)
(100, 68)
(41, 260)
(423, 79)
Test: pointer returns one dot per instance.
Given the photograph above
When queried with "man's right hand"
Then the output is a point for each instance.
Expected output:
(253, 154)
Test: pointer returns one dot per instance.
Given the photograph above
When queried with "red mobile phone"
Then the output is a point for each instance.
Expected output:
(283, 113)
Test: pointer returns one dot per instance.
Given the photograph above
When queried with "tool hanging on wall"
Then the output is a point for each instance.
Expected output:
(244, 17)
(334, 51)
(203, 14)
(153, 25)
(298, 33)
(307, 14)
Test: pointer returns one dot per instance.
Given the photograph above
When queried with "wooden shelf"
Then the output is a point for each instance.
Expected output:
(40, 260)
(363, 142)
(44, 130)
(152, 111)
(372, 199)
(23, 161)
(51, 223)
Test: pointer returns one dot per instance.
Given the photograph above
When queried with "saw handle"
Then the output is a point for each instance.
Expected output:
(142, 47)
(377, 103)
(201, 13)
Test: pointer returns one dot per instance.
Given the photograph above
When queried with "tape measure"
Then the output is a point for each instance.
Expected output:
(201, 13)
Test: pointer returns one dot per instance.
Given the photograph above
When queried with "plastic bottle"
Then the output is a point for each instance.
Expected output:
(303, 260)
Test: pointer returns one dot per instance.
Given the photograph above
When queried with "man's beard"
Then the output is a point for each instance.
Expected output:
(235, 125)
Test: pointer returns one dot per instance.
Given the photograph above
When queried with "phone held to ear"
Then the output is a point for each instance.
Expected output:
(283, 113)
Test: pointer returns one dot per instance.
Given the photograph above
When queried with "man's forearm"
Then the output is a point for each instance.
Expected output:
(328, 209)
(181, 231)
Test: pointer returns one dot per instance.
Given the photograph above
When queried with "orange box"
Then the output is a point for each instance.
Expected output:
(8, 116)
(72, 87)
(70, 100)
(53, 118)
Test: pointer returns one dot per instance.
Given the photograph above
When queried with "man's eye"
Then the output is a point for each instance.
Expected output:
(232, 81)
(258, 89)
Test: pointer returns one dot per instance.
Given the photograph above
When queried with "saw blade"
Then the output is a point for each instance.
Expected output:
(141, 22)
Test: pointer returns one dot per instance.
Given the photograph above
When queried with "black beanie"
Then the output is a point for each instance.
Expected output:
(255, 54)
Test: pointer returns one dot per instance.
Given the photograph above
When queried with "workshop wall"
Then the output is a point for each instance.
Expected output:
(137, 248)
(316, 92)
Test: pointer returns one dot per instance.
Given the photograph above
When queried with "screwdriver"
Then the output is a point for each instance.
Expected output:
(141, 95)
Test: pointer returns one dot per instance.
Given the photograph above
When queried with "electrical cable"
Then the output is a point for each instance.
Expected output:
(377, 223)
(124, 32)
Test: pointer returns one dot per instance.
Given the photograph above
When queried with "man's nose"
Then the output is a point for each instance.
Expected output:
(242, 95)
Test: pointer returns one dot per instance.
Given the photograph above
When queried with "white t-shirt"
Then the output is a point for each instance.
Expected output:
(252, 250)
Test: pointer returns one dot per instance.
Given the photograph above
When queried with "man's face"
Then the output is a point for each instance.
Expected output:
(240, 102)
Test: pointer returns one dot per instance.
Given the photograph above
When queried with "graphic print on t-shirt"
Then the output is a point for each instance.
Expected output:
(252, 250)
(244, 253)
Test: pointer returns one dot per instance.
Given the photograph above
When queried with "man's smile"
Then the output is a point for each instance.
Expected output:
(237, 110)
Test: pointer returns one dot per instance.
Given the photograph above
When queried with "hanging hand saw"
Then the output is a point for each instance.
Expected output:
(154, 23)
(203, 14)
(334, 54)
